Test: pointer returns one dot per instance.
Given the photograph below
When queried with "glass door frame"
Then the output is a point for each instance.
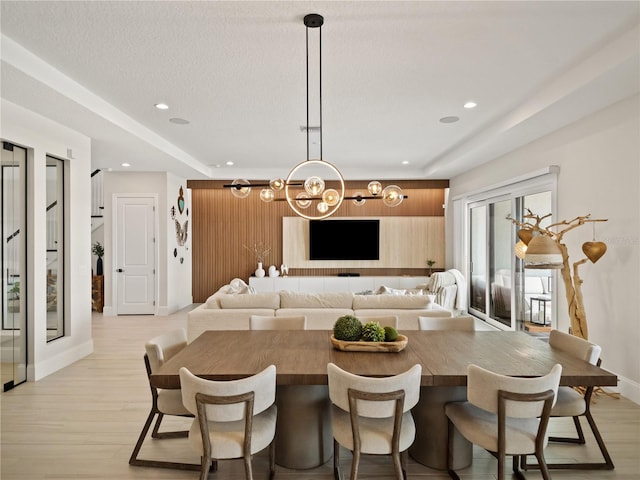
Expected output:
(488, 268)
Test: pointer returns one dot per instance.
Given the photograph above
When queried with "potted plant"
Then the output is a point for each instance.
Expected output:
(98, 250)
(430, 264)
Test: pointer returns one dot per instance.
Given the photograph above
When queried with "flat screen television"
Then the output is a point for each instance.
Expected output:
(344, 239)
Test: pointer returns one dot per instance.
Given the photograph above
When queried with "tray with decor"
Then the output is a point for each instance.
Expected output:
(364, 346)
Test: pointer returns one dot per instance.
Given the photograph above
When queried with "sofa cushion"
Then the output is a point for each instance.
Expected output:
(401, 302)
(316, 300)
(256, 300)
(212, 301)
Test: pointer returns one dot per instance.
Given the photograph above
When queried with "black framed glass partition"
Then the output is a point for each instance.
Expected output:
(13, 234)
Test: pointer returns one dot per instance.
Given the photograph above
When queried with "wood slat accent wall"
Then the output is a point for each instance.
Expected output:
(223, 225)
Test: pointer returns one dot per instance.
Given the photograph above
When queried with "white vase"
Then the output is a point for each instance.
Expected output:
(259, 271)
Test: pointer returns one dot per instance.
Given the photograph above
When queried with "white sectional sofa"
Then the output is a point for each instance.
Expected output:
(224, 311)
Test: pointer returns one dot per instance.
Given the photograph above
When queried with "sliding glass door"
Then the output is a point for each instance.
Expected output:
(502, 292)
(13, 338)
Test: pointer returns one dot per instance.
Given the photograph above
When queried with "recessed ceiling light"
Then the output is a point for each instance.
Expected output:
(451, 119)
(161, 106)
(470, 105)
(179, 121)
(405, 162)
(125, 164)
(229, 163)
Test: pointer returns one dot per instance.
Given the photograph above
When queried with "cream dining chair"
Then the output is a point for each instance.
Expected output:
(234, 419)
(462, 323)
(163, 401)
(260, 322)
(373, 416)
(575, 404)
(505, 415)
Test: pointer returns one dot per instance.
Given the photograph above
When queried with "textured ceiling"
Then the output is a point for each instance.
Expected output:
(391, 70)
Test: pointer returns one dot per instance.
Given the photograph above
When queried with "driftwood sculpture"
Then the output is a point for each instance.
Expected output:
(530, 226)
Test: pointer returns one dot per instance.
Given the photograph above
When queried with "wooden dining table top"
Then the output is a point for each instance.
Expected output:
(301, 357)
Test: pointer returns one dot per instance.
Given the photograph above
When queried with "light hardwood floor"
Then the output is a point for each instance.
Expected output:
(83, 421)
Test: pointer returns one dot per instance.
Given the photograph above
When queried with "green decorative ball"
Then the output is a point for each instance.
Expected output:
(390, 334)
(373, 332)
(347, 328)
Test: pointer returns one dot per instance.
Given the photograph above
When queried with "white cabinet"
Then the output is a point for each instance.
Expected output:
(333, 284)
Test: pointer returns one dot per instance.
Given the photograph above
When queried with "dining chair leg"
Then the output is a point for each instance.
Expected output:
(606, 465)
(404, 459)
(397, 465)
(355, 463)
(248, 471)
(138, 462)
(516, 469)
(543, 466)
(206, 464)
(579, 440)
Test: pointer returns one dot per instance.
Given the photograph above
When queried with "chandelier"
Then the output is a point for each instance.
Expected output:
(315, 189)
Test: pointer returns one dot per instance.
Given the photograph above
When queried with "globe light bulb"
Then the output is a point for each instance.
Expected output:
(241, 188)
(267, 195)
(392, 196)
(358, 200)
(374, 187)
(302, 200)
(331, 197)
(314, 185)
(276, 184)
(323, 207)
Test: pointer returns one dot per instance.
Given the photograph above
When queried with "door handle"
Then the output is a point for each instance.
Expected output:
(119, 270)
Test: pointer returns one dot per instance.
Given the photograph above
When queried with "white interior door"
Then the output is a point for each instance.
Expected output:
(135, 256)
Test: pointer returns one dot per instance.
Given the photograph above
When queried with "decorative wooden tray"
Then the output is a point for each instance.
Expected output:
(362, 346)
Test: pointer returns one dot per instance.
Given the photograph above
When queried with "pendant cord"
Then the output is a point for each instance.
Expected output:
(307, 52)
(320, 84)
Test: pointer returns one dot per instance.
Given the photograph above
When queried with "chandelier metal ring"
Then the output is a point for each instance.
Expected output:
(293, 188)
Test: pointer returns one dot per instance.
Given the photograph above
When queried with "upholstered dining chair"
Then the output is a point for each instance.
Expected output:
(234, 419)
(260, 322)
(373, 416)
(462, 323)
(505, 415)
(163, 401)
(575, 404)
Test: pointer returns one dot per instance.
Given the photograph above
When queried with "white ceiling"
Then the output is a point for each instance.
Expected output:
(391, 70)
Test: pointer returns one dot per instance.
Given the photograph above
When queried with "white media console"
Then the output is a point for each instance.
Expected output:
(333, 284)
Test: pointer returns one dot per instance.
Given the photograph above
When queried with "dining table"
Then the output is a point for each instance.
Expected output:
(301, 358)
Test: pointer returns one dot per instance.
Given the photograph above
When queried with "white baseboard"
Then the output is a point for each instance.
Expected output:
(107, 311)
(55, 363)
(168, 310)
(628, 389)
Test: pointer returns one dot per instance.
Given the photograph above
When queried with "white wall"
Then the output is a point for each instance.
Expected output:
(599, 159)
(178, 280)
(41, 136)
(174, 281)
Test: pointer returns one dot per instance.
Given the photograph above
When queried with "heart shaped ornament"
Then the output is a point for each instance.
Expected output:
(594, 250)
(525, 235)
